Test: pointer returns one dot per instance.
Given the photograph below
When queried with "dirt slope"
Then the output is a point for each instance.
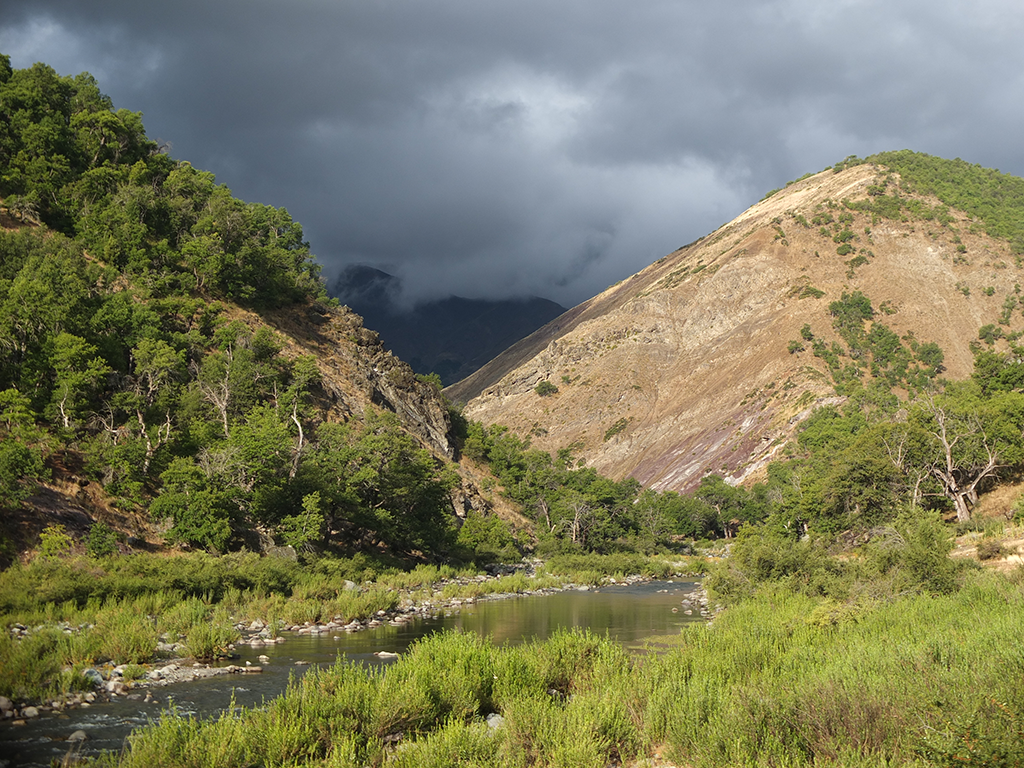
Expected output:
(684, 368)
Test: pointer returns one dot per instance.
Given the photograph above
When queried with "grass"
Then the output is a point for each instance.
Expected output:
(116, 609)
(918, 680)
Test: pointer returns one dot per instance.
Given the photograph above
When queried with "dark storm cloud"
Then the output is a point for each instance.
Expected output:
(493, 149)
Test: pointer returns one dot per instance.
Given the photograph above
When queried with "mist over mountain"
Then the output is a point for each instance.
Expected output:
(452, 337)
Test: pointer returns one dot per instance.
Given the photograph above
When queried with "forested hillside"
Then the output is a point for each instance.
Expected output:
(172, 364)
(134, 355)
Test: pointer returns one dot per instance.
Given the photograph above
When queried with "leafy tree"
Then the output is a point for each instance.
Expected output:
(78, 373)
(306, 527)
(967, 445)
(379, 483)
(200, 511)
(21, 459)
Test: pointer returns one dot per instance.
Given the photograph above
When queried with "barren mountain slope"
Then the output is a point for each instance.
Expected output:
(684, 368)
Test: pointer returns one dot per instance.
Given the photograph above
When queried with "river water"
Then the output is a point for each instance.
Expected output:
(629, 614)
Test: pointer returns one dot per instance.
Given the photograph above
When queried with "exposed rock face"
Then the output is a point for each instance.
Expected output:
(359, 372)
(684, 368)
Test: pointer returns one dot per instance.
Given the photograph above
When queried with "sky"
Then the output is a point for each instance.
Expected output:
(529, 147)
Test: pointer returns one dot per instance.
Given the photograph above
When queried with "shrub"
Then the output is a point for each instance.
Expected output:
(210, 640)
(545, 388)
(487, 538)
(54, 541)
(101, 541)
(990, 549)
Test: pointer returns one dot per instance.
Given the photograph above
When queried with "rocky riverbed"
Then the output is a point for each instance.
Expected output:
(136, 681)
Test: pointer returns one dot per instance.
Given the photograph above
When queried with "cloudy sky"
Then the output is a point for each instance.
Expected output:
(520, 147)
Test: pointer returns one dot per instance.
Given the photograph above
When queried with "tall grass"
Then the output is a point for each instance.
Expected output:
(915, 679)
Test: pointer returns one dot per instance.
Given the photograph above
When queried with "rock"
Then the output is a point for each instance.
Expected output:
(256, 625)
(94, 676)
(350, 586)
(29, 712)
(6, 705)
(263, 659)
(116, 687)
(154, 675)
(494, 720)
(285, 553)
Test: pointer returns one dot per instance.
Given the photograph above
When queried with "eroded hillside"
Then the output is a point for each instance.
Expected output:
(688, 367)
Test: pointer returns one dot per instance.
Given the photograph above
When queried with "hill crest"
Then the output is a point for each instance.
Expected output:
(685, 368)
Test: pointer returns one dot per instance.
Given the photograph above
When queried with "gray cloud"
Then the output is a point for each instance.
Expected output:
(528, 147)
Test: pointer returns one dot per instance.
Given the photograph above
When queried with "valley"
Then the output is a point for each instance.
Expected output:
(816, 410)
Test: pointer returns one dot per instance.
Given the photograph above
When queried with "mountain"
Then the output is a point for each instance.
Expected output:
(171, 366)
(452, 337)
(707, 360)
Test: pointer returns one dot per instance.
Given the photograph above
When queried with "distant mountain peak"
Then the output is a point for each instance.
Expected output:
(451, 336)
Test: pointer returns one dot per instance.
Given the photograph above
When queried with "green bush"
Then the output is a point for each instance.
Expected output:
(55, 541)
(210, 640)
(101, 541)
(545, 388)
(488, 539)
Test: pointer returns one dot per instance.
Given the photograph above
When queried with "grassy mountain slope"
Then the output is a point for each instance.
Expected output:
(705, 361)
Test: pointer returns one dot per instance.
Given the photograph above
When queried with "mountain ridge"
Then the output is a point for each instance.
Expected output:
(685, 369)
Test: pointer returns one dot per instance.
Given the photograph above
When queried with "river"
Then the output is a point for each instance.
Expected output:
(629, 614)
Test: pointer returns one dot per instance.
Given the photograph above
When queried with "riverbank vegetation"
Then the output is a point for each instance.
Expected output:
(63, 615)
(781, 677)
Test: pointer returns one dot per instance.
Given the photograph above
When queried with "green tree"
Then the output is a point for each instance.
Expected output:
(78, 374)
(21, 456)
(306, 527)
